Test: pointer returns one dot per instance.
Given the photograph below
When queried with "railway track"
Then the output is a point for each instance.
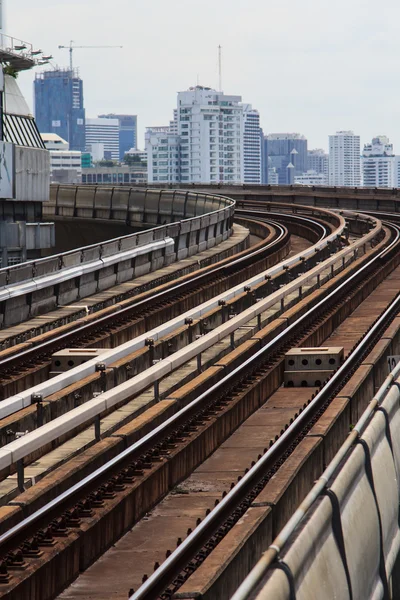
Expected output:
(134, 315)
(17, 384)
(172, 430)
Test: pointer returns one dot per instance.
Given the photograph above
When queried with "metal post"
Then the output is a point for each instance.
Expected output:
(232, 336)
(38, 400)
(20, 475)
(259, 325)
(300, 292)
(222, 304)
(101, 368)
(282, 303)
(319, 280)
(189, 323)
(199, 362)
(157, 391)
(150, 344)
(97, 433)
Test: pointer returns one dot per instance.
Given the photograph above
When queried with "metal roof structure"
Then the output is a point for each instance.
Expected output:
(20, 55)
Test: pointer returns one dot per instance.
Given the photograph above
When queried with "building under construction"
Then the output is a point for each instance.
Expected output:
(59, 105)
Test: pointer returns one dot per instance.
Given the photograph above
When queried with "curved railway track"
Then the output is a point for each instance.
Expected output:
(215, 526)
(153, 446)
(148, 303)
(18, 362)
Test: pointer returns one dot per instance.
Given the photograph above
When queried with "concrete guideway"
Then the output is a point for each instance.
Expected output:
(188, 590)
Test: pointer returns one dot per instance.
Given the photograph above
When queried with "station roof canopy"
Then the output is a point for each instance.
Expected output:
(20, 55)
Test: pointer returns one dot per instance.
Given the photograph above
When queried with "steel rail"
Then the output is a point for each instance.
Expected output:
(142, 445)
(172, 566)
(157, 297)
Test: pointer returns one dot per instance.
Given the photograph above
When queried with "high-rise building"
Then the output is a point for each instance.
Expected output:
(210, 125)
(287, 153)
(378, 163)
(127, 125)
(106, 132)
(206, 137)
(344, 159)
(251, 145)
(318, 161)
(59, 105)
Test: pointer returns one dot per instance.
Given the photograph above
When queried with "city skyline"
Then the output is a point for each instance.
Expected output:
(305, 72)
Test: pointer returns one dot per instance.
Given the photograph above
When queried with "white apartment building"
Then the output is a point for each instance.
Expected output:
(210, 125)
(65, 164)
(163, 155)
(251, 145)
(204, 142)
(379, 163)
(103, 131)
(344, 159)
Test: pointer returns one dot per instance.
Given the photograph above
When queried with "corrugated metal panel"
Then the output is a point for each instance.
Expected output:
(32, 169)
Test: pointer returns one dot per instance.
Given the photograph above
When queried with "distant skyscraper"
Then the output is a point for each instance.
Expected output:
(127, 132)
(59, 106)
(318, 161)
(287, 153)
(344, 159)
(378, 163)
(252, 145)
(106, 132)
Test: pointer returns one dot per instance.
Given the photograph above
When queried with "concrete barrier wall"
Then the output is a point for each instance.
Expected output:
(363, 503)
(361, 198)
(35, 287)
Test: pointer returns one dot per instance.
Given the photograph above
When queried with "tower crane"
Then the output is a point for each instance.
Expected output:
(71, 48)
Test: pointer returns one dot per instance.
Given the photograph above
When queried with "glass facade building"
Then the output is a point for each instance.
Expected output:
(59, 106)
(287, 153)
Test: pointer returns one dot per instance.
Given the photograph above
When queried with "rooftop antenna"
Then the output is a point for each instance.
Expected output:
(220, 67)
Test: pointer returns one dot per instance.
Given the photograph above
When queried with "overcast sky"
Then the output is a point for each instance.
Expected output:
(308, 66)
